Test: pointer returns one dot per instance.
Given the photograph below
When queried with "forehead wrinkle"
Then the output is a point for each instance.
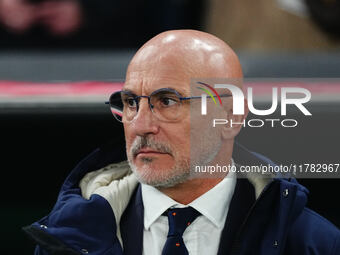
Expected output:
(170, 72)
(150, 85)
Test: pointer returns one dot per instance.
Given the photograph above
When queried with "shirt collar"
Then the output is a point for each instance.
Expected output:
(214, 204)
(155, 203)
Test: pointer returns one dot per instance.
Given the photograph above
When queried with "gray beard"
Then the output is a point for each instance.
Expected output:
(180, 173)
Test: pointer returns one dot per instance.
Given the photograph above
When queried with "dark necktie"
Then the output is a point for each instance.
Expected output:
(179, 220)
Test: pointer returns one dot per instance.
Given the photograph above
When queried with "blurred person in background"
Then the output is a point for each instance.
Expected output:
(50, 23)
(276, 24)
(59, 17)
(326, 13)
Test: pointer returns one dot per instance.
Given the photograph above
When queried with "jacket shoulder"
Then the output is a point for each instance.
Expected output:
(311, 233)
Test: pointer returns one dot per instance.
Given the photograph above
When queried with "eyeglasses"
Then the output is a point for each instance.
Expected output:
(166, 104)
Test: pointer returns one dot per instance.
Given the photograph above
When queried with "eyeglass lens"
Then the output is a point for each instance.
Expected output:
(166, 105)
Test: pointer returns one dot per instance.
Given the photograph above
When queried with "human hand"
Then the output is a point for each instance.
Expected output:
(61, 17)
(17, 15)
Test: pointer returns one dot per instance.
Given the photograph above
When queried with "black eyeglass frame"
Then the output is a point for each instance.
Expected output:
(135, 97)
(151, 106)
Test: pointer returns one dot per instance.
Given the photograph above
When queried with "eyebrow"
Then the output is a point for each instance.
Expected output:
(179, 92)
(128, 91)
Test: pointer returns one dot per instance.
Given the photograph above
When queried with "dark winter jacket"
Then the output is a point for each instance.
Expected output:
(100, 211)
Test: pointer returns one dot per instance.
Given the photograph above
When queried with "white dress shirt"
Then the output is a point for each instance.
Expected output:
(203, 235)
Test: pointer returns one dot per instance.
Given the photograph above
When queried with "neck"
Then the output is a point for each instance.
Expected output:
(188, 191)
(185, 193)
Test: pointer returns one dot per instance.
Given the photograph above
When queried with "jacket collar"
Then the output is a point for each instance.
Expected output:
(288, 207)
(132, 224)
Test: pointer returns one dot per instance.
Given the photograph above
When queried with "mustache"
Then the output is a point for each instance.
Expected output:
(142, 141)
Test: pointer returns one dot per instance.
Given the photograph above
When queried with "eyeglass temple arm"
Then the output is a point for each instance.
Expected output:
(187, 98)
(195, 97)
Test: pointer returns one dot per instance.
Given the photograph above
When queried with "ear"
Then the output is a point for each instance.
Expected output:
(235, 122)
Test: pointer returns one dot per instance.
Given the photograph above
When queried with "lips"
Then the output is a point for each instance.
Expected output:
(149, 151)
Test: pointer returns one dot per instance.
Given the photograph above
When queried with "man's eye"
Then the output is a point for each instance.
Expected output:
(130, 102)
(167, 101)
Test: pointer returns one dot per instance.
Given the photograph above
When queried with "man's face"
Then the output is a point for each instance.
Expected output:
(158, 151)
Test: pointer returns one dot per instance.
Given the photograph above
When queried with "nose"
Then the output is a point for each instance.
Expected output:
(145, 122)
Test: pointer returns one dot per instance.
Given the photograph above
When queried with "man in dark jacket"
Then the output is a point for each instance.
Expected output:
(152, 203)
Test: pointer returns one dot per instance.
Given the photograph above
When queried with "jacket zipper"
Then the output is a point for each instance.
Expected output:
(235, 248)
